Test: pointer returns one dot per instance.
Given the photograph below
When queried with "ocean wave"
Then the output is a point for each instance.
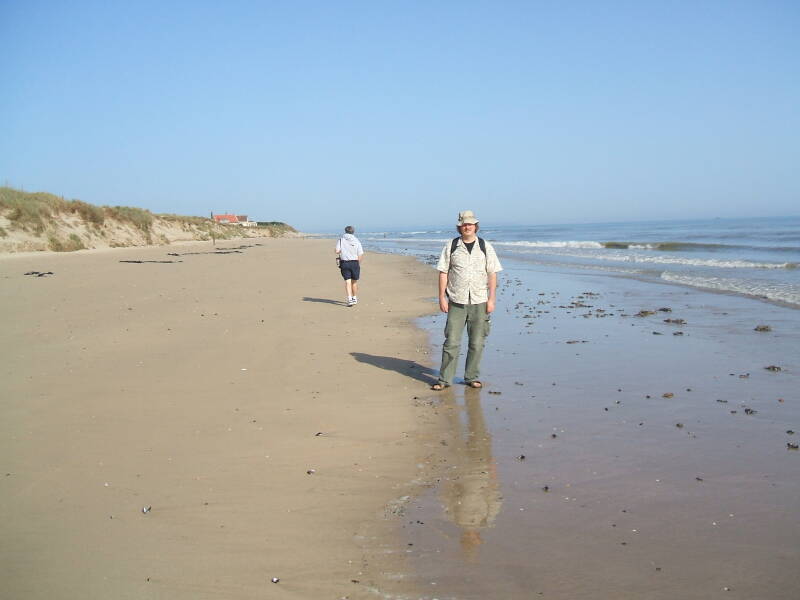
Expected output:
(555, 244)
(697, 247)
(670, 246)
(659, 259)
(659, 246)
(406, 240)
(385, 234)
(623, 245)
(707, 262)
(778, 292)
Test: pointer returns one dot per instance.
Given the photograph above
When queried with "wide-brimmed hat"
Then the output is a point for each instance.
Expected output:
(466, 216)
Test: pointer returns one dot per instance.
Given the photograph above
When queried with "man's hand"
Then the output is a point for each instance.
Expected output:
(444, 303)
(492, 285)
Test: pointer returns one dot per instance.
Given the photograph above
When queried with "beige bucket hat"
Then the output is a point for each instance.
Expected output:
(466, 216)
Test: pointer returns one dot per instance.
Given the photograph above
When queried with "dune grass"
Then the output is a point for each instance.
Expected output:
(277, 228)
(34, 211)
(72, 243)
(42, 214)
(29, 211)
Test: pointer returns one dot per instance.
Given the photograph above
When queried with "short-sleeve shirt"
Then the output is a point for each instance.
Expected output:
(468, 272)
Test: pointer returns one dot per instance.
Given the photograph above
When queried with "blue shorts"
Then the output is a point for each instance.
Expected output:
(351, 269)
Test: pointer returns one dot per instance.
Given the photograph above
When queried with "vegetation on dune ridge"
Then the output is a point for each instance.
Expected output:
(41, 213)
(277, 226)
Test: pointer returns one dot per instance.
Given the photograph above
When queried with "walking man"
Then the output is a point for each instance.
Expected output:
(468, 268)
(349, 254)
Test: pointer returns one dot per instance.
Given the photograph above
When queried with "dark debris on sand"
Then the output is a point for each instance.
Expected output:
(40, 273)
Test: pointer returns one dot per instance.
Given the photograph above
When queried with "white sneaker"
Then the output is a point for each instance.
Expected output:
(355, 300)
(350, 302)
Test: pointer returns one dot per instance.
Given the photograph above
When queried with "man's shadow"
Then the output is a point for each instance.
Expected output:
(399, 365)
(324, 301)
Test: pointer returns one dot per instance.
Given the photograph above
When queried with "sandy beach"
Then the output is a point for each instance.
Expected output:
(191, 406)
(616, 451)
(267, 429)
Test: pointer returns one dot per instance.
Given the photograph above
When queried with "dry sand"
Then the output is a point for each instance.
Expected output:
(208, 389)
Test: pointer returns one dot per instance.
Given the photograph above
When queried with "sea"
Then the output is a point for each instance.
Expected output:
(754, 257)
(636, 433)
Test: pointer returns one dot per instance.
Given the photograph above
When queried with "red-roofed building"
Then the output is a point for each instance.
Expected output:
(232, 219)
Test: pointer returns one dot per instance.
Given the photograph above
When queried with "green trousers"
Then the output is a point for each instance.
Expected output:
(477, 321)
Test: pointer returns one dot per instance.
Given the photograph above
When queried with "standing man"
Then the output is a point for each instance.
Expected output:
(349, 254)
(467, 286)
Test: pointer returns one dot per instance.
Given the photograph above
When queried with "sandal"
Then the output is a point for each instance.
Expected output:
(438, 387)
(475, 384)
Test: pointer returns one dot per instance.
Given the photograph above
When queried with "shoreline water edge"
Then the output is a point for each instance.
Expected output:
(633, 439)
(757, 258)
(629, 442)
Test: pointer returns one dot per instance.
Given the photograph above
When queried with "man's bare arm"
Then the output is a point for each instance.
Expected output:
(492, 289)
(444, 305)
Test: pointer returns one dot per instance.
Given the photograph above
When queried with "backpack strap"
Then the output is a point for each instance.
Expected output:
(454, 245)
(481, 245)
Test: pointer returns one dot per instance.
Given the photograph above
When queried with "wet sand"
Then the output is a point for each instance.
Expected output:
(269, 431)
(608, 457)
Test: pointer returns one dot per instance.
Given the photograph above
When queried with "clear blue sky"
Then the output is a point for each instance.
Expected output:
(394, 114)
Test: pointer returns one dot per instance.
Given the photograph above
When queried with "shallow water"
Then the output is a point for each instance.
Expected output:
(758, 258)
(622, 492)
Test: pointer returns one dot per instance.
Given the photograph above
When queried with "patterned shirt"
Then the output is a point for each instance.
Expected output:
(468, 272)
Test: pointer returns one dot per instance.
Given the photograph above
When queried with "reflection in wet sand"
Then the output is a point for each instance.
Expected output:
(471, 493)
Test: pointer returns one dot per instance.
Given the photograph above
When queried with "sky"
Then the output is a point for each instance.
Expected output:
(388, 114)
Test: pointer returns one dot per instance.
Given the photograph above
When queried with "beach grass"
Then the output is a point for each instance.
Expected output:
(72, 243)
(44, 215)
